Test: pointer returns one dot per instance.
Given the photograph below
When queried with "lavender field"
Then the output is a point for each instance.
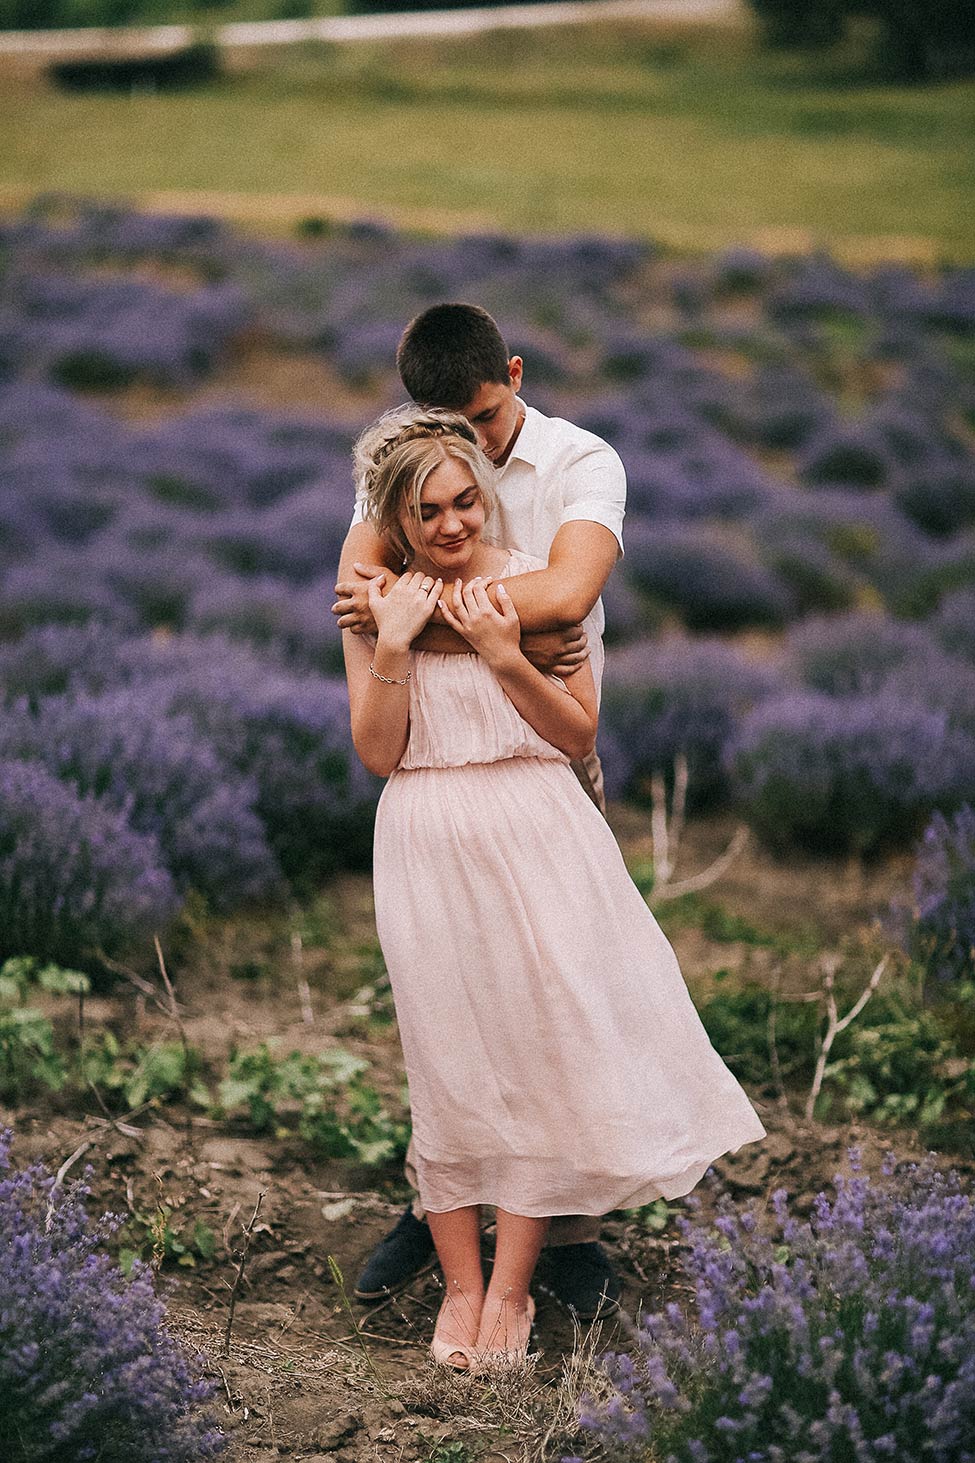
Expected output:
(795, 610)
(794, 617)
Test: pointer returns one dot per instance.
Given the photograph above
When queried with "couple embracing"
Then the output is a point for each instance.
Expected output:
(557, 1066)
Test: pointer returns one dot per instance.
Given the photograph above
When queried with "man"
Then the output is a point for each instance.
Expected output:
(561, 494)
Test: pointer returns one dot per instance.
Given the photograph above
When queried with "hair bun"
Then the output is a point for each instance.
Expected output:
(407, 423)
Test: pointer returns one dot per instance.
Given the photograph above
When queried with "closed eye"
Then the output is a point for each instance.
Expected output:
(466, 500)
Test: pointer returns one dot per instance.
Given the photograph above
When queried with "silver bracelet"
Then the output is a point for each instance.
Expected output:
(386, 680)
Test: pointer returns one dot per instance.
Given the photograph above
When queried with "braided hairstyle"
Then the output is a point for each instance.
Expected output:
(394, 456)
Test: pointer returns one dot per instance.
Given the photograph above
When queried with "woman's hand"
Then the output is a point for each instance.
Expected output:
(402, 613)
(494, 634)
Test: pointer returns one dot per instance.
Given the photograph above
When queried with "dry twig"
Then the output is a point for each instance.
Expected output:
(666, 835)
(102, 1126)
(248, 1232)
(142, 985)
(79, 1152)
(836, 1024)
(173, 1008)
(714, 870)
(773, 1050)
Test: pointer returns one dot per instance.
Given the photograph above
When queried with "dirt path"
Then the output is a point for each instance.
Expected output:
(431, 22)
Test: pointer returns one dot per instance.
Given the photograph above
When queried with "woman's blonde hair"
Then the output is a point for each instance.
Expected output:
(396, 454)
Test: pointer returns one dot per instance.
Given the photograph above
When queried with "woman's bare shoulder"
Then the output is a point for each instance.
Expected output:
(518, 562)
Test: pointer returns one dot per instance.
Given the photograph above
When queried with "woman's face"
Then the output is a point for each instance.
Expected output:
(451, 518)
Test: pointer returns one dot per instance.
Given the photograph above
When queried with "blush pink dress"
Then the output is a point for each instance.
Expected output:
(556, 1062)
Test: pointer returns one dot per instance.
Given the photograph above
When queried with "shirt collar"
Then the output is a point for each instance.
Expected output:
(527, 442)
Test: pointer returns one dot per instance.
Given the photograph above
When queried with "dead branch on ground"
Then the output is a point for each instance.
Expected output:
(666, 835)
(248, 1233)
(834, 1023)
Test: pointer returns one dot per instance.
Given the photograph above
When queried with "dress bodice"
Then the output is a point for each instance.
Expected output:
(459, 712)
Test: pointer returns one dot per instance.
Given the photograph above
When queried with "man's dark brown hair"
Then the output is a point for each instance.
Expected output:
(448, 353)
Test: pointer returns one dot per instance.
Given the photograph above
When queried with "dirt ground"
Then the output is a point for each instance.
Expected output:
(309, 1373)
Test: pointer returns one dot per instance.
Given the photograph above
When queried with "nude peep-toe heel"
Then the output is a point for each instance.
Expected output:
(442, 1351)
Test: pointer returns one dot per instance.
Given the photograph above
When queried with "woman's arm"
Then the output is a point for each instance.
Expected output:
(562, 594)
(563, 714)
(379, 698)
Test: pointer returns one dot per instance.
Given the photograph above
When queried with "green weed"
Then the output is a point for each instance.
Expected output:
(653, 1217)
(29, 1057)
(453, 1452)
(325, 1097)
(723, 926)
(737, 1021)
(902, 1067)
(166, 1071)
(897, 1063)
(316, 924)
(155, 1239)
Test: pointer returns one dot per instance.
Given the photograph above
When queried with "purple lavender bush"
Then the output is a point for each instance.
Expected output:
(100, 333)
(850, 456)
(50, 660)
(88, 1368)
(854, 654)
(954, 623)
(710, 584)
(847, 773)
(847, 1336)
(816, 286)
(941, 499)
(948, 566)
(941, 936)
(862, 547)
(74, 877)
(47, 589)
(289, 735)
(780, 407)
(681, 696)
(941, 683)
(293, 625)
(157, 770)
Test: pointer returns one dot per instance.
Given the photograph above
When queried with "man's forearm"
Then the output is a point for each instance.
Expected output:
(545, 601)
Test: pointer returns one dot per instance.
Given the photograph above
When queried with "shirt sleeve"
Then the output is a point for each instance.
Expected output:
(357, 515)
(594, 490)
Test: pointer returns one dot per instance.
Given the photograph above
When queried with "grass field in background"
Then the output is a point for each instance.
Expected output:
(692, 136)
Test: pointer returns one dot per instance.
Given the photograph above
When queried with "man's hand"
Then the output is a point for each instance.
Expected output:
(556, 652)
(352, 605)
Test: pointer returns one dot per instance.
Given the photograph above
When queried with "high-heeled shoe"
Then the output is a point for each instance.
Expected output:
(510, 1356)
(442, 1350)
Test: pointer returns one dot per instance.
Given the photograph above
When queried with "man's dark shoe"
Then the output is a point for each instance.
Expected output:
(582, 1278)
(400, 1256)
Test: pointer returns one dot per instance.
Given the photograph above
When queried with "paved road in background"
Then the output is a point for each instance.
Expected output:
(363, 27)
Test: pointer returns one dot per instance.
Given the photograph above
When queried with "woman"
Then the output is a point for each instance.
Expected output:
(556, 1062)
